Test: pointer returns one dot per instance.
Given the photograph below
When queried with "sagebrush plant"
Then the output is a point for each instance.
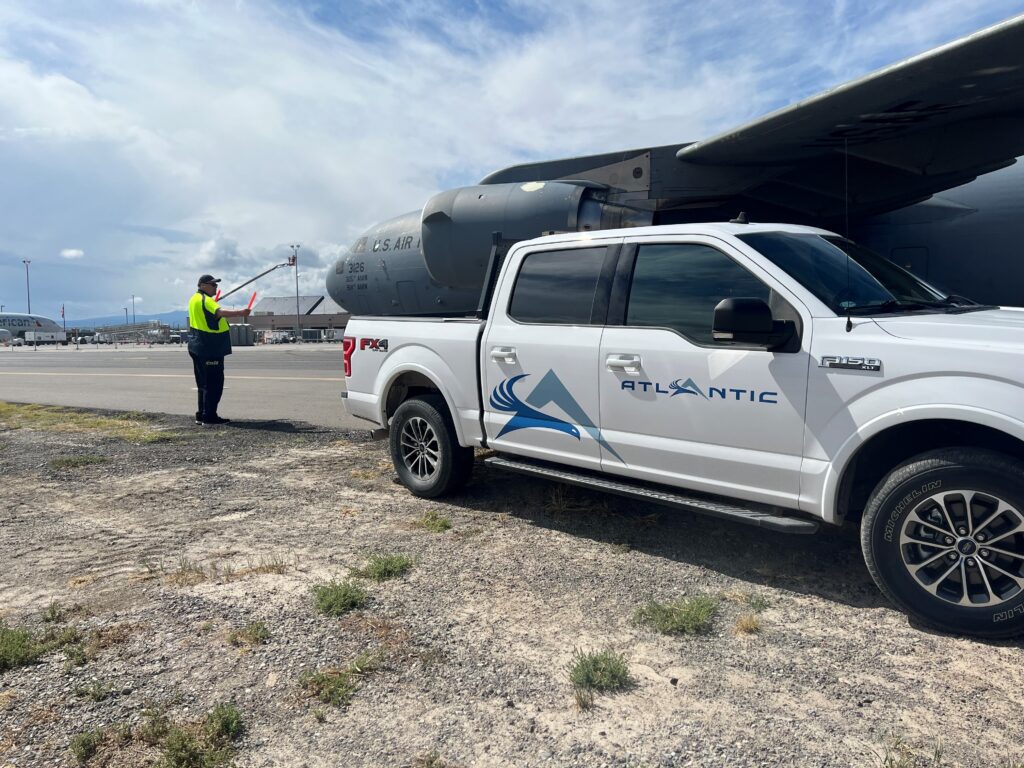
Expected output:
(757, 603)
(21, 647)
(84, 745)
(383, 567)
(688, 616)
(18, 647)
(54, 613)
(206, 744)
(155, 726)
(337, 598)
(601, 671)
(224, 724)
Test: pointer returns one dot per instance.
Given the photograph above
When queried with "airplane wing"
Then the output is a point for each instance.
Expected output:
(886, 140)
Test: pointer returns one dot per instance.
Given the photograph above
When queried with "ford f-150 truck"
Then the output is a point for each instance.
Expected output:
(776, 375)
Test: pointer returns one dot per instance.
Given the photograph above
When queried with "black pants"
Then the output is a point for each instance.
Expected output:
(209, 383)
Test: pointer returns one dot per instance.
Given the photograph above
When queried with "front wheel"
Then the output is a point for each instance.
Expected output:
(943, 538)
(425, 450)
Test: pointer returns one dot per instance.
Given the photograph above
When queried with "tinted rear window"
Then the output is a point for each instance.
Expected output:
(557, 286)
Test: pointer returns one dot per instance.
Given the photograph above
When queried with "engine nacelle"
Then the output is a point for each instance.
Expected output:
(458, 224)
(435, 261)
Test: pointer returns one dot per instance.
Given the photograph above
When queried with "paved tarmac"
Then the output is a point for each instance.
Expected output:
(285, 382)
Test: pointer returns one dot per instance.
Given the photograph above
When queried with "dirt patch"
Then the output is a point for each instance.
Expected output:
(164, 551)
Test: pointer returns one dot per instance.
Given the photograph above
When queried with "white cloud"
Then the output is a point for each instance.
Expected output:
(174, 136)
(72, 253)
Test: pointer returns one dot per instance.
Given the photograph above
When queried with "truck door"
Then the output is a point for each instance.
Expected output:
(682, 409)
(540, 353)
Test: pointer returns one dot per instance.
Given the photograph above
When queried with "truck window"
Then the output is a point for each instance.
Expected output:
(557, 286)
(678, 285)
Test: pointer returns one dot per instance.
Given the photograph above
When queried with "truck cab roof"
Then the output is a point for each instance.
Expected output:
(663, 230)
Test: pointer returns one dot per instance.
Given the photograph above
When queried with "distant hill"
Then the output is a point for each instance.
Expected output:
(173, 319)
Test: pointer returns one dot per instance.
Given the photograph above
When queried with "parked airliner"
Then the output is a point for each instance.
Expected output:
(16, 324)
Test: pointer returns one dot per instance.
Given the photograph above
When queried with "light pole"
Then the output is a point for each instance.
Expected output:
(133, 309)
(295, 262)
(28, 289)
(126, 315)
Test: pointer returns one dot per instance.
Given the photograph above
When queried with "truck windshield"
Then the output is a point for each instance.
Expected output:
(845, 276)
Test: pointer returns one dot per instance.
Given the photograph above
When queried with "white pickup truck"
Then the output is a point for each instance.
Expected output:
(776, 375)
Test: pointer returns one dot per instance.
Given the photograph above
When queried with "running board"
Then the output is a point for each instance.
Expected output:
(669, 498)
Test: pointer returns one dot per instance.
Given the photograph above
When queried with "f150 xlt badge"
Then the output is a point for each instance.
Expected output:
(850, 363)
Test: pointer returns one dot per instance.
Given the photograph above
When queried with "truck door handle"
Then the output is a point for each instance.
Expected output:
(503, 354)
(626, 363)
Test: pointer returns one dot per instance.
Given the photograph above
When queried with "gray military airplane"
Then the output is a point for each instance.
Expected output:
(867, 158)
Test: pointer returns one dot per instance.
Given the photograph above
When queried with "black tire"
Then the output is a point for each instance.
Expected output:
(425, 449)
(920, 500)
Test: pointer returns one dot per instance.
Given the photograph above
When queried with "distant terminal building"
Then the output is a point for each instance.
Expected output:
(321, 318)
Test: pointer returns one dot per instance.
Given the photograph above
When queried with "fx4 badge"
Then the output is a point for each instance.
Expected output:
(851, 363)
(374, 345)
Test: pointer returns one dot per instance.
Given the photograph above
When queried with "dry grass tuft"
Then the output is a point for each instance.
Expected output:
(133, 428)
(747, 624)
(432, 521)
(338, 686)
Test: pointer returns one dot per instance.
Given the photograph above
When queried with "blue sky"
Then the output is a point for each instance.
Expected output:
(143, 142)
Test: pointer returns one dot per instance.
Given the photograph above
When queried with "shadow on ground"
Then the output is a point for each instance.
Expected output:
(828, 565)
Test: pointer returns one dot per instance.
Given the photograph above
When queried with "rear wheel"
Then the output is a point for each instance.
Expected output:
(943, 537)
(425, 449)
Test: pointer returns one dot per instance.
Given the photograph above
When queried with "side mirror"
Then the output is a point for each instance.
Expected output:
(749, 321)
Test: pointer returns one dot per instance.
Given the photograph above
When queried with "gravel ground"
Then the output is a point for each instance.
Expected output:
(474, 642)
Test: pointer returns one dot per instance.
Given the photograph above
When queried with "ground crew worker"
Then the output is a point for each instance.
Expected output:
(208, 344)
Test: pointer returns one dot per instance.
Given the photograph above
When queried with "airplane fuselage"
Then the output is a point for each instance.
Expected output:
(17, 324)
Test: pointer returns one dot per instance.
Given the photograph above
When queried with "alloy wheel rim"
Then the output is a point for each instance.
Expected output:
(965, 547)
(420, 448)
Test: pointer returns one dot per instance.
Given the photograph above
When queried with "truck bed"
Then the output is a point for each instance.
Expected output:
(443, 349)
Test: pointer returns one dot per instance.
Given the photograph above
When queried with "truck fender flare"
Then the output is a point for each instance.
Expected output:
(968, 413)
(391, 375)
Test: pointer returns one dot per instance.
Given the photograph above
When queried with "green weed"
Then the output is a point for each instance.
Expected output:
(432, 521)
(253, 633)
(84, 745)
(382, 567)
(602, 671)
(338, 598)
(338, 686)
(689, 616)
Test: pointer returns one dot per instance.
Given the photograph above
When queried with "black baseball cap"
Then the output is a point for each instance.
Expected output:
(208, 279)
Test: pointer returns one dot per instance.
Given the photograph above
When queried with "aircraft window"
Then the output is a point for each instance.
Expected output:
(677, 286)
(557, 286)
(844, 275)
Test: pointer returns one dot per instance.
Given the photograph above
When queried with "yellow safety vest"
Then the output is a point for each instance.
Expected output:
(202, 314)
(209, 338)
